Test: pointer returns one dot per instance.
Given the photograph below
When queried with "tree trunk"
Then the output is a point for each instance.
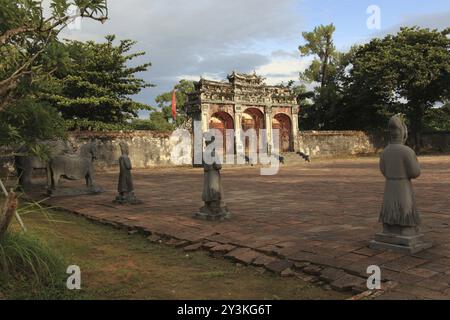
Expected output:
(9, 209)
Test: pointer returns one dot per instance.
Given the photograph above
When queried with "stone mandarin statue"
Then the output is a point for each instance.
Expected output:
(212, 194)
(125, 186)
(399, 214)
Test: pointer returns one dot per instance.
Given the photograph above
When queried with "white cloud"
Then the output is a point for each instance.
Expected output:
(194, 38)
(283, 68)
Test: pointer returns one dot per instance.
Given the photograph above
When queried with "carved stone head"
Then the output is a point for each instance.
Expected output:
(397, 130)
(124, 148)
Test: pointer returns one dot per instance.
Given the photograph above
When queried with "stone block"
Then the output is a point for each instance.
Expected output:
(278, 266)
(406, 244)
(347, 282)
(193, 247)
(244, 255)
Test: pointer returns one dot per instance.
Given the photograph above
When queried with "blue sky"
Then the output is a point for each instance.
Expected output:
(349, 16)
(211, 38)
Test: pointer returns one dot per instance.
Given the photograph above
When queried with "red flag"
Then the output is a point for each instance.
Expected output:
(174, 105)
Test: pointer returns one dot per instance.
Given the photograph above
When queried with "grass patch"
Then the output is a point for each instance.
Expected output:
(30, 269)
(116, 265)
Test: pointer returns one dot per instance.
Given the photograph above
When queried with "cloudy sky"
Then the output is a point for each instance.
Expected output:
(186, 39)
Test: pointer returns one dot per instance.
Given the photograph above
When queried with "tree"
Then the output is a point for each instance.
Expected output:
(25, 36)
(408, 73)
(30, 52)
(438, 119)
(164, 101)
(323, 70)
(319, 43)
(97, 83)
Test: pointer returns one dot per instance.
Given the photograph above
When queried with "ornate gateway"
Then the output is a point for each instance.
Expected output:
(246, 102)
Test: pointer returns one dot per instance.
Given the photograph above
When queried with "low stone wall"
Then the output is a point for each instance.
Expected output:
(146, 148)
(150, 148)
(336, 143)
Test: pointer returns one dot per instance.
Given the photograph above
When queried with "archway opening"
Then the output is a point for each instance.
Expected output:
(222, 121)
(282, 122)
(252, 118)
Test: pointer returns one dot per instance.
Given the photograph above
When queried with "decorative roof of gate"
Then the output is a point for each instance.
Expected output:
(244, 89)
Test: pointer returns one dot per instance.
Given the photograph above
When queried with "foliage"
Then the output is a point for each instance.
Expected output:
(157, 122)
(164, 102)
(437, 119)
(324, 69)
(319, 43)
(29, 122)
(27, 34)
(92, 125)
(96, 83)
(26, 262)
(30, 52)
(404, 73)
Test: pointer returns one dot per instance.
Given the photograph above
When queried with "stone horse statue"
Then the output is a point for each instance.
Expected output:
(72, 167)
(25, 163)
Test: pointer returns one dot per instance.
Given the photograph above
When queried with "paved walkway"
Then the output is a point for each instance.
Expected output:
(313, 220)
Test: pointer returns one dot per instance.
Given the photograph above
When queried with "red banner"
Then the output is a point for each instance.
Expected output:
(174, 105)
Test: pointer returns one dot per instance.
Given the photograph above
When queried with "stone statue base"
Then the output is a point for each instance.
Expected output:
(62, 192)
(213, 213)
(128, 198)
(406, 240)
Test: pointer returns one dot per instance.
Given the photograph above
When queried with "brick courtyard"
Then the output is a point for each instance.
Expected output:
(312, 220)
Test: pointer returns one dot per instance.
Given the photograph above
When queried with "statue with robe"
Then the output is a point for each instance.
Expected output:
(399, 214)
(212, 194)
(125, 186)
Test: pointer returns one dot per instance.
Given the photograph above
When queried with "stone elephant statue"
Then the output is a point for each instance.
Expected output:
(72, 167)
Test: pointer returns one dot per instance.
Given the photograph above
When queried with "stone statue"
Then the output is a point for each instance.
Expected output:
(399, 214)
(73, 167)
(125, 186)
(212, 194)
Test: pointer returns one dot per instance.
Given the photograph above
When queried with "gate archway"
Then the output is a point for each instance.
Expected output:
(221, 121)
(282, 122)
(252, 118)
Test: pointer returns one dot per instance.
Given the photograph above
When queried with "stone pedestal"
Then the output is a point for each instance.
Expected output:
(66, 191)
(213, 213)
(129, 198)
(407, 240)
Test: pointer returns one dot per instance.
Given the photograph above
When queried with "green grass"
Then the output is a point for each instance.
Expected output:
(30, 269)
(116, 265)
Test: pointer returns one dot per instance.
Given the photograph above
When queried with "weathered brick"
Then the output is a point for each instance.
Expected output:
(331, 274)
(263, 260)
(222, 248)
(193, 247)
(244, 255)
(347, 282)
(421, 272)
(278, 266)
(313, 270)
(210, 244)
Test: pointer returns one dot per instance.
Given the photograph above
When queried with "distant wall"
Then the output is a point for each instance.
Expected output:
(337, 143)
(146, 148)
(150, 148)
